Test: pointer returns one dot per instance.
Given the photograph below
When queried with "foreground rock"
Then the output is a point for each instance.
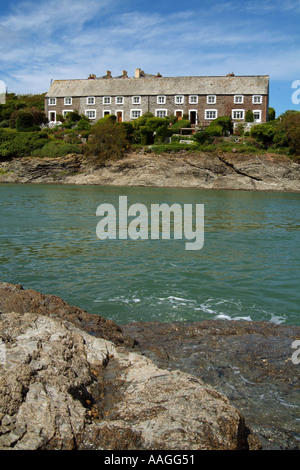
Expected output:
(61, 388)
(249, 362)
(13, 298)
(187, 170)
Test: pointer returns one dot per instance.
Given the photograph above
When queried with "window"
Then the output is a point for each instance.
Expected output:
(106, 100)
(257, 116)
(179, 99)
(211, 114)
(119, 100)
(161, 113)
(106, 112)
(193, 99)
(238, 99)
(52, 101)
(67, 101)
(136, 100)
(135, 113)
(257, 99)
(211, 99)
(238, 114)
(66, 111)
(161, 99)
(91, 113)
(90, 100)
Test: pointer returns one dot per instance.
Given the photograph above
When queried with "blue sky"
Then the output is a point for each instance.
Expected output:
(61, 39)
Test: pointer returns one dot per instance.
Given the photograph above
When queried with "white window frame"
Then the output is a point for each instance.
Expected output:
(258, 111)
(179, 99)
(136, 100)
(135, 111)
(106, 100)
(121, 98)
(238, 111)
(52, 101)
(208, 118)
(238, 99)
(211, 99)
(191, 101)
(87, 111)
(255, 101)
(68, 101)
(161, 99)
(90, 100)
(66, 111)
(157, 111)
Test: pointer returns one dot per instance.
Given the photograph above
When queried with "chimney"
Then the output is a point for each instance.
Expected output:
(137, 73)
(124, 74)
(91, 76)
(108, 74)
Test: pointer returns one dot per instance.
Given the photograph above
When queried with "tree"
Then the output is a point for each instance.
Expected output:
(290, 126)
(272, 114)
(107, 141)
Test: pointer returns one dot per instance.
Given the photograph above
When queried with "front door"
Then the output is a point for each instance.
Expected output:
(119, 116)
(193, 118)
(179, 115)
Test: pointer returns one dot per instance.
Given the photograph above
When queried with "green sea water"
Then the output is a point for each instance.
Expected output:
(248, 268)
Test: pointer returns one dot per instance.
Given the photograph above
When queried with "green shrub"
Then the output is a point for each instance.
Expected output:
(216, 130)
(264, 133)
(225, 123)
(184, 123)
(21, 144)
(83, 125)
(249, 117)
(56, 149)
(203, 137)
(107, 141)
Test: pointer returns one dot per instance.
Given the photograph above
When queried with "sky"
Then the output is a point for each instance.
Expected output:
(49, 40)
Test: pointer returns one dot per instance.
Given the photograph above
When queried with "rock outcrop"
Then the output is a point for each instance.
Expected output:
(186, 170)
(61, 388)
(249, 362)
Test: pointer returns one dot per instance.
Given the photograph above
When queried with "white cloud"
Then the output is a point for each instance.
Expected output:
(78, 38)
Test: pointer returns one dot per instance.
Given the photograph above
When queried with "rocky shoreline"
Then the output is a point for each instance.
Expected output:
(72, 380)
(219, 171)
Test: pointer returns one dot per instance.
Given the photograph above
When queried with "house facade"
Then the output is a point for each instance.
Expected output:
(202, 99)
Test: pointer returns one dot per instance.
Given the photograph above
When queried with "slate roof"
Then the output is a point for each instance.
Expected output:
(153, 85)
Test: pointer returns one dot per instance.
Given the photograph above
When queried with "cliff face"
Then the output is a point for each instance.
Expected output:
(190, 170)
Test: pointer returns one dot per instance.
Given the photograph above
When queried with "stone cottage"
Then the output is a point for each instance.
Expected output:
(202, 99)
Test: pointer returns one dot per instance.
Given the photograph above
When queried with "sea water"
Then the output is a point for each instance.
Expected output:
(248, 267)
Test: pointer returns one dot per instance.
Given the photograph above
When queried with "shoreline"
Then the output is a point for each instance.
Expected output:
(238, 172)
